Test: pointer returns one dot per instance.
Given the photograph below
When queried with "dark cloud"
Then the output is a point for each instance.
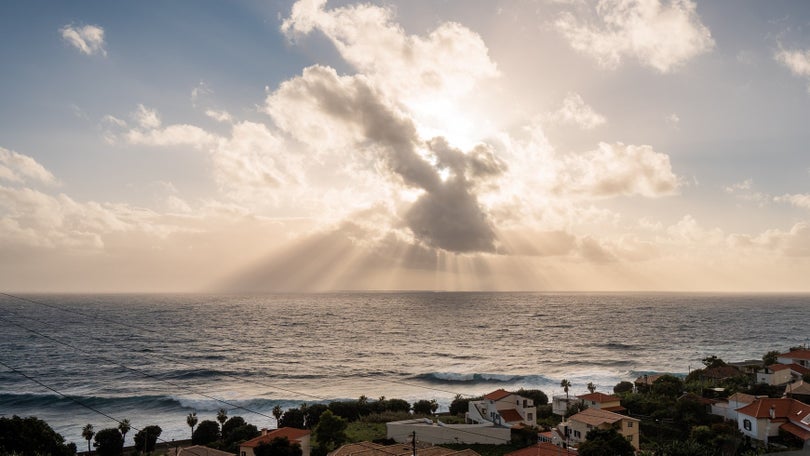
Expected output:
(447, 215)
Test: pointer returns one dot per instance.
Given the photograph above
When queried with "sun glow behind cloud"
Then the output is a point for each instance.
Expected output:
(416, 162)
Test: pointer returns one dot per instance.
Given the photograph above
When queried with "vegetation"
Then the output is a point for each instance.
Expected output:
(109, 442)
(425, 407)
(280, 446)
(191, 420)
(32, 436)
(330, 432)
(623, 387)
(146, 438)
(222, 417)
(599, 442)
(535, 395)
(124, 427)
(207, 432)
(88, 433)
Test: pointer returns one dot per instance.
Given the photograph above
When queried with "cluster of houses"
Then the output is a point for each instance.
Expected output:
(492, 419)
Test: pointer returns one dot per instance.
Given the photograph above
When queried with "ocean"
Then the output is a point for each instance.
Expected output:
(153, 359)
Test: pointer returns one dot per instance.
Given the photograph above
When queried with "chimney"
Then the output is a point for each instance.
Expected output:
(264, 431)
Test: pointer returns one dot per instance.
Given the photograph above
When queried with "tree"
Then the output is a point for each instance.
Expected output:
(591, 387)
(191, 420)
(425, 407)
(280, 446)
(599, 442)
(770, 358)
(207, 432)
(293, 418)
(222, 417)
(330, 432)
(88, 433)
(566, 384)
(535, 395)
(623, 387)
(312, 415)
(238, 435)
(109, 442)
(230, 425)
(668, 385)
(713, 361)
(146, 438)
(31, 436)
(459, 405)
(277, 413)
(124, 427)
(398, 405)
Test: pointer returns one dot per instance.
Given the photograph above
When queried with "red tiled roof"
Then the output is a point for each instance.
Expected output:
(497, 395)
(615, 409)
(796, 354)
(799, 368)
(721, 372)
(801, 433)
(779, 367)
(650, 379)
(599, 397)
(510, 415)
(292, 435)
(543, 449)
(782, 407)
(596, 417)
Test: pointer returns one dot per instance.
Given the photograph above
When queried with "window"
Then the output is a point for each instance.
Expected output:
(629, 424)
(577, 434)
(530, 417)
(747, 425)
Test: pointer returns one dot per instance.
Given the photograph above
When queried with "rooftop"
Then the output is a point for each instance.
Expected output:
(782, 407)
(599, 397)
(497, 395)
(797, 354)
(542, 449)
(292, 434)
(596, 417)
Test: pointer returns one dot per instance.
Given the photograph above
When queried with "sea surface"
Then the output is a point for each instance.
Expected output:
(153, 359)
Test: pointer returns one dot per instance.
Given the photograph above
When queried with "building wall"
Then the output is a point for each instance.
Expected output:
(402, 431)
(779, 377)
(759, 427)
(559, 404)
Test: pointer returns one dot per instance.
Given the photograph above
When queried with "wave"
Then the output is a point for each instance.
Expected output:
(144, 403)
(478, 378)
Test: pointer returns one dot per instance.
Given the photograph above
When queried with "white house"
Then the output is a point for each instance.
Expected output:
(560, 403)
(503, 408)
(800, 357)
(439, 433)
(576, 428)
(602, 401)
(765, 417)
(775, 374)
(728, 409)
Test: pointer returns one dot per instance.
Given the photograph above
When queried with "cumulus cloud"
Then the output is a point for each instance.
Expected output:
(18, 168)
(660, 35)
(797, 61)
(801, 200)
(88, 39)
(219, 116)
(617, 169)
(575, 111)
(348, 110)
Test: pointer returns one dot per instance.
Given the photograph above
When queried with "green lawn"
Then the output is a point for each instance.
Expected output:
(360, 431)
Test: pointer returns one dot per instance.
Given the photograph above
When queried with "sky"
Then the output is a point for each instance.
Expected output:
(549, 145)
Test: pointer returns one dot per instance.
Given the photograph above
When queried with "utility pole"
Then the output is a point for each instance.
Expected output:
(413, 442)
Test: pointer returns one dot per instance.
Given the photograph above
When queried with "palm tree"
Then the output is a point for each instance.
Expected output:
(565, 385)
(591, 387)
(124, 427)
(222, 417)
(88, 434)
(191, 420)
(277, 412)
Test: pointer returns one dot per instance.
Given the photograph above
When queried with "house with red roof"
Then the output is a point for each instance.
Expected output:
(602, 401)
(766, 417)
(299, 436)
(575, 429)
(775, 374)
(503, 408)
(800, 357)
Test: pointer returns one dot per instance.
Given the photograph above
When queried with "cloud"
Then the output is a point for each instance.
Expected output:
(660, 35)
(219, 116)
(88, 39)
(146, 118)
(801, 200)
(797, 61)
(617, 169)
(350, 112)
(575, 111)
(792, 243)
(18, 168)
(745, 191)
